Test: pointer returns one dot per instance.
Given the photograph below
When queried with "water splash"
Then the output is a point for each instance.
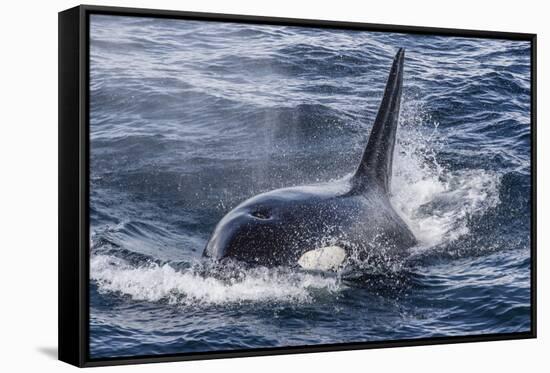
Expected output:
(199, 285)
(434, 201)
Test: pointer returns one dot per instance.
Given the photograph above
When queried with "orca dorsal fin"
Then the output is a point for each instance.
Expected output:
(376, 163)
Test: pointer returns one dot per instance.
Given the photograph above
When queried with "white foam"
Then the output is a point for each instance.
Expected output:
(153, 282)
(433, 201)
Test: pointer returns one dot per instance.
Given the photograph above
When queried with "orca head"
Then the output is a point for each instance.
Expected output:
(271, 229)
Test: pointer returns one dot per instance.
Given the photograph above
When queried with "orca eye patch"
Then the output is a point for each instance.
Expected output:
(262, 213)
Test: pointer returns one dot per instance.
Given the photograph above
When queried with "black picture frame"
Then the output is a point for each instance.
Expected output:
(74, 235)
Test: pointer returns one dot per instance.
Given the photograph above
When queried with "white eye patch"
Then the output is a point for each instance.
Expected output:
(323, 259)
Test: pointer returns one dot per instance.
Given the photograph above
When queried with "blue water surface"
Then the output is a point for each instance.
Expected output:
(188, 118)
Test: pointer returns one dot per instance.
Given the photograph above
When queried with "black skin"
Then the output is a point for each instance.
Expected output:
(276, 228)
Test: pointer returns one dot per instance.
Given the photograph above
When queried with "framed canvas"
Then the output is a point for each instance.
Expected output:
(237, 186)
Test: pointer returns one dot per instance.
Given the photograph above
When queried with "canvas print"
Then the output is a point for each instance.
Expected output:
(258, 186)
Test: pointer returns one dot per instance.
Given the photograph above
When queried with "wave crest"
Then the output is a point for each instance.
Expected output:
(164, 283)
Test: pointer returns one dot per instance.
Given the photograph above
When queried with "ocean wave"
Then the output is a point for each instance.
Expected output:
(163, 283)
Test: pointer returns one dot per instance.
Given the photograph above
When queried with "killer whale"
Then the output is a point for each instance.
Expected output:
(348, 218)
